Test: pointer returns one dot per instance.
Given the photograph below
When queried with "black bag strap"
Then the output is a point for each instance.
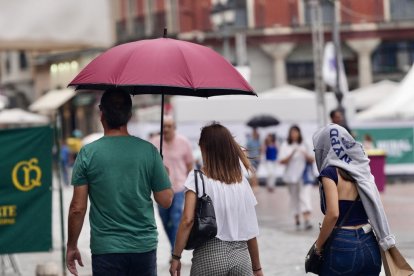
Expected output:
(196, 181)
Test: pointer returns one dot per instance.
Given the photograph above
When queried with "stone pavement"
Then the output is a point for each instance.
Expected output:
(282, 247)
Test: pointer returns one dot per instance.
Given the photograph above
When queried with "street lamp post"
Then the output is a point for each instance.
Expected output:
(317, 42)
(339, 94)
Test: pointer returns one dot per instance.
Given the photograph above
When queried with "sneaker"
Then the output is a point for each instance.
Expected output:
(308, 226)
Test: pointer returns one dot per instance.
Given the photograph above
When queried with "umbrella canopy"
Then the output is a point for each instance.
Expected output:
(163, 66)
(263, 121)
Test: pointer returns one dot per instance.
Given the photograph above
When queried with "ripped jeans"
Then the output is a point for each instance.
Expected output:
(352, 252)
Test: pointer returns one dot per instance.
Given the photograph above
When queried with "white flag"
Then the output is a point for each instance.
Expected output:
(329, 69)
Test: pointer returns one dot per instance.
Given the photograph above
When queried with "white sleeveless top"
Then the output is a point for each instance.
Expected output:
(234, 205)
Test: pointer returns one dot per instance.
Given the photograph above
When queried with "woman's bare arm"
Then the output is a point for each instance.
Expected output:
(332, 211)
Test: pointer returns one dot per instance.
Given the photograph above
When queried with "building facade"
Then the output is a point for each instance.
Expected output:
(273, 38)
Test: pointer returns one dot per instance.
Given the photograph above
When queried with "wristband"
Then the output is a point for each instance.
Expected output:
(257, 269)
(175, 257)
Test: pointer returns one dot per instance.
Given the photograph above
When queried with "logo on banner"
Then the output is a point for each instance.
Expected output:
(26, 175)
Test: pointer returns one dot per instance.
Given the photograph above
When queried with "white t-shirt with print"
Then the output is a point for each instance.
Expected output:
(234, 205)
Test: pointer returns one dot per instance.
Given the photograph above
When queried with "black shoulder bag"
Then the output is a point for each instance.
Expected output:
(205, 226)
(313, 261)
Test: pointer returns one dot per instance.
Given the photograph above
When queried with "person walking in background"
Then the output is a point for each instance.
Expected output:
(234, 250)
(178, 158)
(119, 173)
(337, 117)
(253, 147)
(351, 204)
(368, 142)
(65, 162)
(295, 154)
(270, 152)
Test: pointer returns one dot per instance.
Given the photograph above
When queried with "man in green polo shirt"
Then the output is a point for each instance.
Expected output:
(119, 173)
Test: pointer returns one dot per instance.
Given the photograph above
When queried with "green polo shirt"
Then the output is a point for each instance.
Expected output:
(121, 172)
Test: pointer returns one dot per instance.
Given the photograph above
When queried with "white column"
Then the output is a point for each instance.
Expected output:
(337, 12)
(251, 20)
(301, 11)
(364, 49)
(131, 11)
(387, 10)
(241, 50)
(279, 52)
(148, 18)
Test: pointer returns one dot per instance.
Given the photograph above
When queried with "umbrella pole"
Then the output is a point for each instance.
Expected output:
(58, 136)
(162, 123)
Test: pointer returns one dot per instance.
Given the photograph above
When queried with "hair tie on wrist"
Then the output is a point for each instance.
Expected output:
(257, 269)
(175, 257)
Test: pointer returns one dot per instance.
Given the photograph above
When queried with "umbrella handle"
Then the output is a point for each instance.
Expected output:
(162, 124)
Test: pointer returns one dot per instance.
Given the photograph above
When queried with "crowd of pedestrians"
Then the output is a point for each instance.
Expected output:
(121, 175)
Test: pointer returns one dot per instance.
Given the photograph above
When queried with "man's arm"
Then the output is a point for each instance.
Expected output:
(164, 198)
(77, 211)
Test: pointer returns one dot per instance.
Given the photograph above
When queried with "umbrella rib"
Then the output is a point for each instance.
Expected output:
(186, 65)
(125, 66)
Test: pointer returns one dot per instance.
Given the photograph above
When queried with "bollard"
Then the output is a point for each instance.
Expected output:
(47, 269)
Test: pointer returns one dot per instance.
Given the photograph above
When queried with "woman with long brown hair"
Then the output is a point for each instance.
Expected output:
(234, 250)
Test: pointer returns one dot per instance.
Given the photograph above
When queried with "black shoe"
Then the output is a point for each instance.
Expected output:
(308, 226)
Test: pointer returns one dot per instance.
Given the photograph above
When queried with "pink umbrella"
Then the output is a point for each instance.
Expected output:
(163, 66)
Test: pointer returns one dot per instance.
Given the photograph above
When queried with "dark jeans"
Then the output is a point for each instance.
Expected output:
(171, 217)
(352, 252)
(131, 264)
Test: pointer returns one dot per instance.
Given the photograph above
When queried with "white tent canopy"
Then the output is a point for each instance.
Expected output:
(287, 103)
(51, 24)
(398, 105)
(367, 96)
(17, 116)
(52, 100)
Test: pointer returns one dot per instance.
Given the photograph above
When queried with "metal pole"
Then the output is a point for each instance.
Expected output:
(62, 222)
(339, 94)
(162, 123)
(162, 111)
(317, 42)
(226, 39)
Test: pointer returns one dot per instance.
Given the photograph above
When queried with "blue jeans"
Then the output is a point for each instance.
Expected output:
(125, 264)
(171, 217)
(352, 252)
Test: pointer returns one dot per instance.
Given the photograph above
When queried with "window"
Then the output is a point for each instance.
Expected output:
(392, 57)
(7, 63)
(299, 70)
(402, 10)
(22, 60)
(327, 9)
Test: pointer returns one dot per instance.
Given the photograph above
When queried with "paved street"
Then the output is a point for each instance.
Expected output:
(282, 247)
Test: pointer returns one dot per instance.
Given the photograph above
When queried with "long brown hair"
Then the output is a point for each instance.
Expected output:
(221, 154)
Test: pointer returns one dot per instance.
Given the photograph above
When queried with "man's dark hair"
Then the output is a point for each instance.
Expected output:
(116, 106)
(332, 113)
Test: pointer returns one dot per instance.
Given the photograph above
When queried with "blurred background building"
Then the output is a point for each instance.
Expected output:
(274, 37)
(269, 41)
